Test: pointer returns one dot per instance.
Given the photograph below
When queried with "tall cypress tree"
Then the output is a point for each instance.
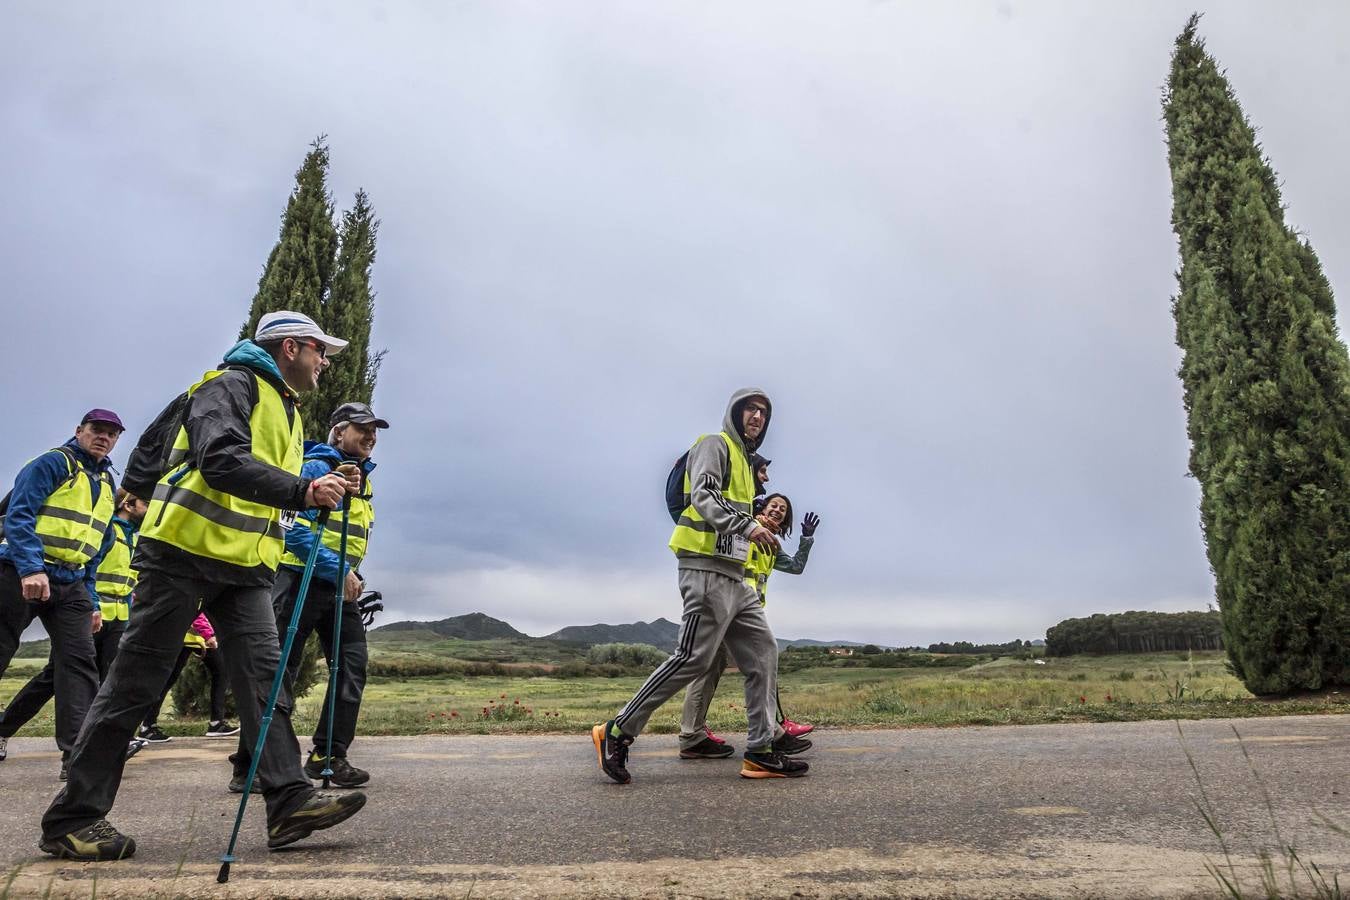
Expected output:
(315, 271)
(1266, 385)
(299, 270)
(351, 310)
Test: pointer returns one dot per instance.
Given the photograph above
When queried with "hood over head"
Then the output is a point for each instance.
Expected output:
(731, 421)
(247, 353)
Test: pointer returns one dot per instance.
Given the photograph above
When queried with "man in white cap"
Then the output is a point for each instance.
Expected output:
(212, 539)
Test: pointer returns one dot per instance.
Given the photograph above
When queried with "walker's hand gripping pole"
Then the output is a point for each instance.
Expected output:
(339, 609)
(266, 720)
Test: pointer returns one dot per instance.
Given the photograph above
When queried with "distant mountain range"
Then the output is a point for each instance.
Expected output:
(661, 633)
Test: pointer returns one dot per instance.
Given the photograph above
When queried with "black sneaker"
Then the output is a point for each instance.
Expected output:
(221, 729)
(237, 784)
(65, 769)
(151, 734)
(3, 752)
(612, 752)
(788, 745)
(707, 749)
(318, 810)
(771, 764)
(345, 775)
(93, 842)
(134, 746)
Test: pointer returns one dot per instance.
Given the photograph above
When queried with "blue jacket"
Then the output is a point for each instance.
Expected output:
(33, 485)
(320, 459)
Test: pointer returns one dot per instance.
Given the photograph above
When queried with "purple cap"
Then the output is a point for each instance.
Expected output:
(103, 415)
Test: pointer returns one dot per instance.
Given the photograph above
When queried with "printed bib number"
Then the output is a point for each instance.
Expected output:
(287, 520)
(732, 546)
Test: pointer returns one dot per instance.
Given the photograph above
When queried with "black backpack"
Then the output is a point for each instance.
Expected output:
(677, 501)
(150, 459)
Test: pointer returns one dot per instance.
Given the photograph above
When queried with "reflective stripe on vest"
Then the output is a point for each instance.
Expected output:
(191, 515)
(116, 578)
(693, 534)
(360, 522)
(71, 523)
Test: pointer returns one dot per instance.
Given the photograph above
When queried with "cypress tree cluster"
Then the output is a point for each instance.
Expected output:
(325, 274)
(1266, 386)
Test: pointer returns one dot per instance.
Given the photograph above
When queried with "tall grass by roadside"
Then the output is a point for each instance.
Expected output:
(994, 692)
(1283, 873)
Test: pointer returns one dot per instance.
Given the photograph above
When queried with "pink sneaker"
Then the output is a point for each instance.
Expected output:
(712, 737)
(797, 729)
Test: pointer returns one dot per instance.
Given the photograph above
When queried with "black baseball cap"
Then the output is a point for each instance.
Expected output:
(357, 414)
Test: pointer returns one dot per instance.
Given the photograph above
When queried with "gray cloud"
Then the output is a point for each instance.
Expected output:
(939, 236)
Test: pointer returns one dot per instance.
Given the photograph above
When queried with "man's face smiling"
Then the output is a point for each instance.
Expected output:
(754, 415)
(358, 440)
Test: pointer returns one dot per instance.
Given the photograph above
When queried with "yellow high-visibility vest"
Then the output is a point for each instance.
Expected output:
(71, 522)
(758, 567)
(116, 579)
(694, 535)
(189, 514)
(360, 522)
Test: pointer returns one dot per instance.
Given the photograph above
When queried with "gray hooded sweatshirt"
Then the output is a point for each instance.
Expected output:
(709, 468)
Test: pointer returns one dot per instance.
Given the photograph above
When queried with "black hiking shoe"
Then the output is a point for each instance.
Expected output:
(65, 768)
(707, 749)
(221, 728)
(771, 764)
(318, 810)
(612, 752)
(95, 842)
(152, 734)
(237, 784)
(788, 745)
(345, 775)
(134, 746)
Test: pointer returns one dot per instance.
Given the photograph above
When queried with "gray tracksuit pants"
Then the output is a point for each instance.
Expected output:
(717, 609)
(698, 700)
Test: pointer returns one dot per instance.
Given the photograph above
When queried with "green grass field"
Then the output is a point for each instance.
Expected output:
(999, 692)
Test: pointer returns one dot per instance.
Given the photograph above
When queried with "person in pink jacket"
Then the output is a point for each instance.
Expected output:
(201, 640)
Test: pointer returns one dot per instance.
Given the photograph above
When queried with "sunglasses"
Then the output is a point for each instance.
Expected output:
(319, 348)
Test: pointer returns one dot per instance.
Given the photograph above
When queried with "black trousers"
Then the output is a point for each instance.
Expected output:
(30, 699)
(214, 668)
(68, 617)
(106, 643)
(351, 683)
(164, 609)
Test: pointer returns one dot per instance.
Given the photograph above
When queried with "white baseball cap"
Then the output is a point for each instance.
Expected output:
(286, 324)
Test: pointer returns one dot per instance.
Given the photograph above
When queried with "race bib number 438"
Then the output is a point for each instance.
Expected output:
(732, 546)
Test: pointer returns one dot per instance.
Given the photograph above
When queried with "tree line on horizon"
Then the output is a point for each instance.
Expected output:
(1135, 632)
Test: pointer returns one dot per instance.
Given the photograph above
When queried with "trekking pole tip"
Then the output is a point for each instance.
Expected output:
(224, 875)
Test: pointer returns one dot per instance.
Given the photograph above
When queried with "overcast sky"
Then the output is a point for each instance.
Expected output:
(937, 234)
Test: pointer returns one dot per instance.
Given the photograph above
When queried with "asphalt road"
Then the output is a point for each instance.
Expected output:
(1050, 810)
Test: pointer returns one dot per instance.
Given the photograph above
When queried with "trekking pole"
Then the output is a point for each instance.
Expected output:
(266, 721)
(339, 598)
